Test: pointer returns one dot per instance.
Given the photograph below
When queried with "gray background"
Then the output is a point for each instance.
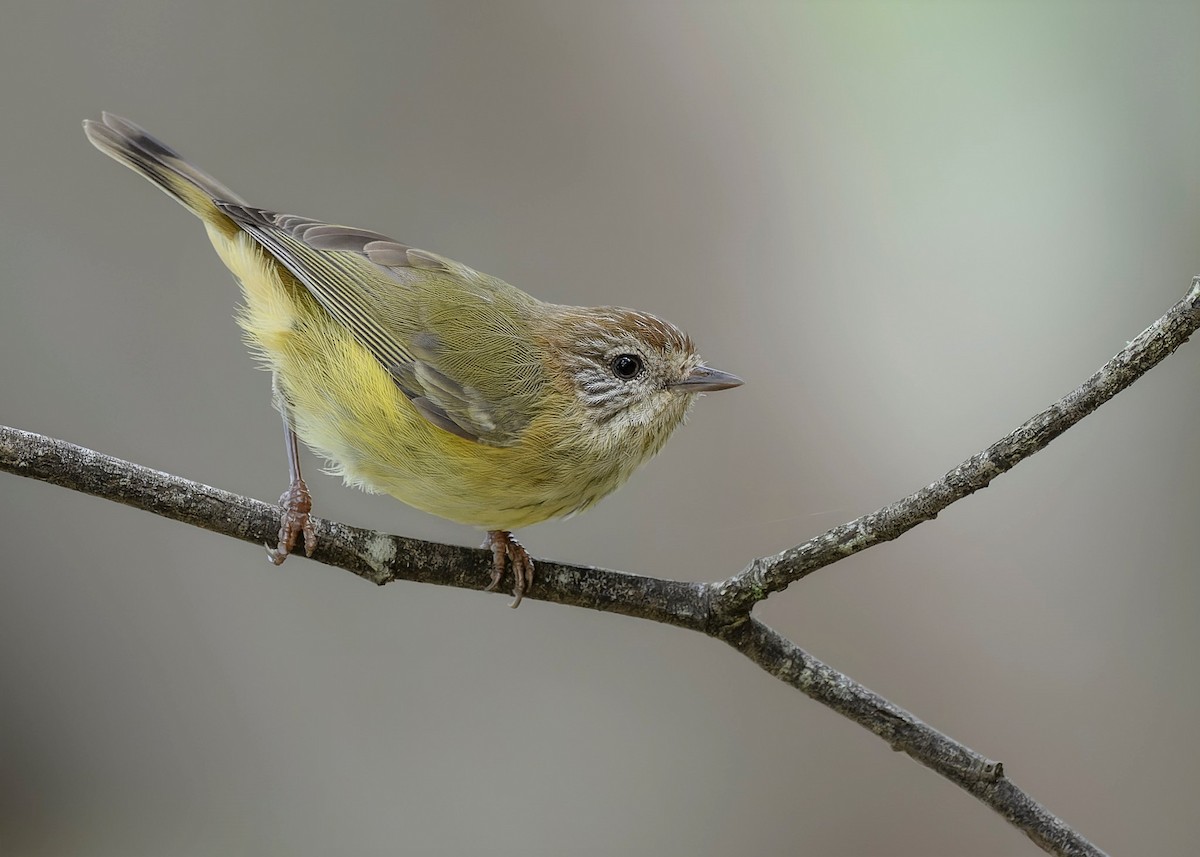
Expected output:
(908, 226)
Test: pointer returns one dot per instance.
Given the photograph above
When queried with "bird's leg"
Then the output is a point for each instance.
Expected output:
(506, 548)
(296, 502)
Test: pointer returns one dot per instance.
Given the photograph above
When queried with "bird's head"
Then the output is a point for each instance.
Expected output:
(634, 376)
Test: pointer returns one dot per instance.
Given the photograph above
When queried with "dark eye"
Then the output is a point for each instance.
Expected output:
(626, 366)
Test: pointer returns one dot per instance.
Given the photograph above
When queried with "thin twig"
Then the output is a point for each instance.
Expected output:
(961, 765)
(733, 598)
(373, 556)
(720, 610)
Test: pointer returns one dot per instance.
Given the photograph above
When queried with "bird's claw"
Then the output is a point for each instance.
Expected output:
(296, 503)
(505, 549)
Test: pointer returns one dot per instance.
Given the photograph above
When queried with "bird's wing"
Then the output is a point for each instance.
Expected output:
(453, 340)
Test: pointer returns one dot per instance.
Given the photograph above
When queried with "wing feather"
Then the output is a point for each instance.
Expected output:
(382, 291)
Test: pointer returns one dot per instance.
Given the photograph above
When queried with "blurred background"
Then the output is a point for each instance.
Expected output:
(908, 226)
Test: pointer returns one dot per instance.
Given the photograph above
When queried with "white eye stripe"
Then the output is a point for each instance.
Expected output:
(599, 386)
(600, 401)
(601, 394)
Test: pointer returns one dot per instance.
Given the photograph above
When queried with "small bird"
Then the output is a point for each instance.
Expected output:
(418, 377)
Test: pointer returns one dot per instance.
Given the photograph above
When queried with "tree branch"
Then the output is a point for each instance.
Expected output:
(373, 556)
(733, 598)
(720, 610)
(958, 763)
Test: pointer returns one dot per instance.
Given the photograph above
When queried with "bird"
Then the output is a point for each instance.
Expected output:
(419, 377)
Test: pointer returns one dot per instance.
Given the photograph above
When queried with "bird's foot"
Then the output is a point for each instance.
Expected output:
(505, 548)
(296, 503)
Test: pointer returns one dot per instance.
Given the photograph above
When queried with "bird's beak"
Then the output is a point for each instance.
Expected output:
(705, 379)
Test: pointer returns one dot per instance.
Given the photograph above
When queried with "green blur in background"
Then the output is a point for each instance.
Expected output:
(907, 226)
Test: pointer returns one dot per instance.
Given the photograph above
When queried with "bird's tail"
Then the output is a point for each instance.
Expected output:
(125, 142)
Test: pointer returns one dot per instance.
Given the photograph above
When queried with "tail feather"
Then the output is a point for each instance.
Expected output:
(125, 142)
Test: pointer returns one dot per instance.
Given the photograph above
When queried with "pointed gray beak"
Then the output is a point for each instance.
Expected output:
(705, 379)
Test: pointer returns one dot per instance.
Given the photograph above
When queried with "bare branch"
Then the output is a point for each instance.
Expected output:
(982, 777)
(720, 610)
(383, 558)
(733, 598)
(377, 557)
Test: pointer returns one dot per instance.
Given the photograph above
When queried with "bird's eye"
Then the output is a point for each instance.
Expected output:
(626, 366)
